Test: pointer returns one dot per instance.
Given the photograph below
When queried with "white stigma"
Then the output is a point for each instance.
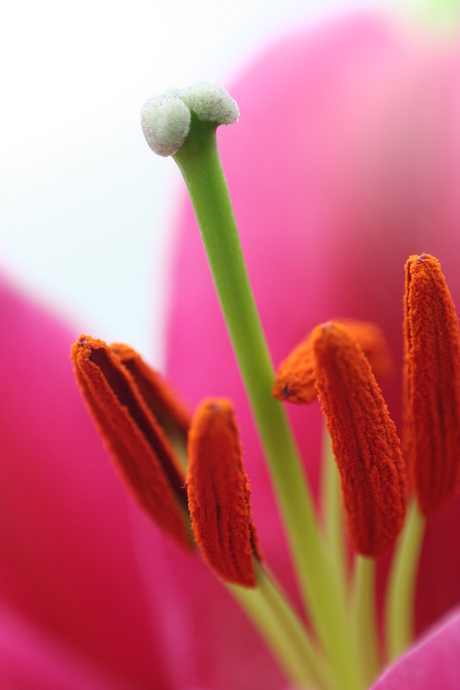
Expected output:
(166, 119)
(211, 103)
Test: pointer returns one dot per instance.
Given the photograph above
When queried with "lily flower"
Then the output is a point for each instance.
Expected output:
(92, 593)
(328, 213)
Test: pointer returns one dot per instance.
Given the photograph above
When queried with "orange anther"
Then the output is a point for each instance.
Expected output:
(432, 384)
(137, 443)
(219, 494)
(364, 440)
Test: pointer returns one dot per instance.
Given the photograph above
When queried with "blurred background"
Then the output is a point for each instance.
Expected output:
(86, 209)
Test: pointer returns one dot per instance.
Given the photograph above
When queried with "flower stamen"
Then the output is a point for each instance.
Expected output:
(136, 441)
(432, 384)
(295, 380)
(219, 494)
(164, 403)
(364, 440)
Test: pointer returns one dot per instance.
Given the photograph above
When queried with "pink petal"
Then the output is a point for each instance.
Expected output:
(207, 639)
(30, 660)
(66, 558)
(434, 662)
(345, 161)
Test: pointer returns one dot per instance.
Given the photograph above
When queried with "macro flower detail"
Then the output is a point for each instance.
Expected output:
(154, 442)
(363, 170)
(332, 365)
(137, 442)
(219, 494)
(295, 378)
(364, 440)
(432, 384)
(166, 119)
(164, 403)
(343, 647)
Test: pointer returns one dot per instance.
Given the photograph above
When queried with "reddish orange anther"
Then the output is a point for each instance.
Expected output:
(165, 405)
(137, 443)
(295, 380)
(432, 384)
(364, 440)
(219, 494)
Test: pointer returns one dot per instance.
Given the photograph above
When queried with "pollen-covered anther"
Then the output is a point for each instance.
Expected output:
(364, 440)
(432, 384)
(166, 406)
(138, 444)
(295, 380)
(219, 494)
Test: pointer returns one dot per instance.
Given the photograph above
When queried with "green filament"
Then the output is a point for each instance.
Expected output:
(199, 162)
(284, 632)
(400, 600)
(363, 616)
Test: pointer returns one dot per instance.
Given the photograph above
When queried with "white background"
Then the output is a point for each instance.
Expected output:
(85, 207)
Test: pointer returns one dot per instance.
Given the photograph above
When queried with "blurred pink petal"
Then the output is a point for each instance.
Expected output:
(29, 660)
(66, 557)
(345, 161)
(432, 663)
(217, 648)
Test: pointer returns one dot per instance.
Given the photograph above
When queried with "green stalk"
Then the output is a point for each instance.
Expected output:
(284, 632)
(363, 616)
(400, 599)
(331, 500)
(199, 162)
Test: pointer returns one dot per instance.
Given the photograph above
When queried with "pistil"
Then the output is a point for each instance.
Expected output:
(199, 162)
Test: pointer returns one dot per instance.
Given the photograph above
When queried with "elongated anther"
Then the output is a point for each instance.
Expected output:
(295, 380)
(219, 494)
(432, 384)
(364, 440)
(138, 445)
(166, 406)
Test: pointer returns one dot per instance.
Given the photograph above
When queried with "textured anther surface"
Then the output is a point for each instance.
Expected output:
(219, 494)
(432, 384)
(364, 441)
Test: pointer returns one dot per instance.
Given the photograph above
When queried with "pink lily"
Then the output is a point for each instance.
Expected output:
(91, 595)
(345, 162)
